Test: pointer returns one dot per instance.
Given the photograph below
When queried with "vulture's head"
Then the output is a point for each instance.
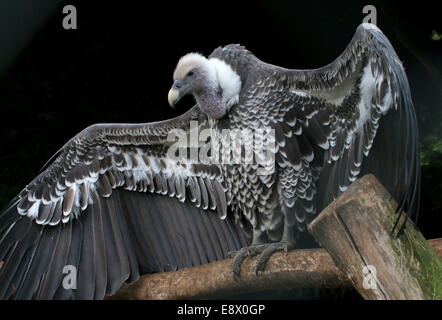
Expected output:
(213, 84)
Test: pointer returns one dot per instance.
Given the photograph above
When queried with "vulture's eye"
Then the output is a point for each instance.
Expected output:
(190, 73)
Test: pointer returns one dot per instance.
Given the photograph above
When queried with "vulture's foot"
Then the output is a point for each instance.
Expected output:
(267, 252)
(240, 255)
(263, 250)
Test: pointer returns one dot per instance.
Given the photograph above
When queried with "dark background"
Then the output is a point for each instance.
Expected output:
(117, 67)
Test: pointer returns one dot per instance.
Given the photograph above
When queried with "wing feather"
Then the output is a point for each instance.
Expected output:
(112, 205)
(352, 117)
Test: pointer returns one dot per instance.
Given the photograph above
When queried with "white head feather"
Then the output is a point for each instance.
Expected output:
(218, 73)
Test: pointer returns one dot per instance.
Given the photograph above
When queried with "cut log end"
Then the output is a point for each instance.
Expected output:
(356, 230)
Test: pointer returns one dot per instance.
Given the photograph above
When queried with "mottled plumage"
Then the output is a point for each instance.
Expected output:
(114, 203)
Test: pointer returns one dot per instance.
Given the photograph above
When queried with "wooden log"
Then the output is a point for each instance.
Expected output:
(356, 230)
(312, 268)
(307, 268)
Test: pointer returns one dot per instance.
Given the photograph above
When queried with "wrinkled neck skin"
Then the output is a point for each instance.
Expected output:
(211, 102)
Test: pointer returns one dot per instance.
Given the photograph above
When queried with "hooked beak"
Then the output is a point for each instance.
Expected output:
(175, 93)
(173, 97)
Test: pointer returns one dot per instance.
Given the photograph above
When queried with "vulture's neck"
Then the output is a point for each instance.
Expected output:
(211, 102)
(222, 90)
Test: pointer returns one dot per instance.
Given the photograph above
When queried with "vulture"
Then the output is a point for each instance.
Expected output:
(121, 200)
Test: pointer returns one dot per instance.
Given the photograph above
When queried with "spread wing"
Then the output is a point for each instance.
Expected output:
(110, 206)
(333, 124)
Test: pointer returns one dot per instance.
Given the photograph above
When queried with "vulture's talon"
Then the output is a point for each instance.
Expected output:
(238, 259)
(264, 251)
(268, 251)
(258, 249)
(231, 254)
(241, 255)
